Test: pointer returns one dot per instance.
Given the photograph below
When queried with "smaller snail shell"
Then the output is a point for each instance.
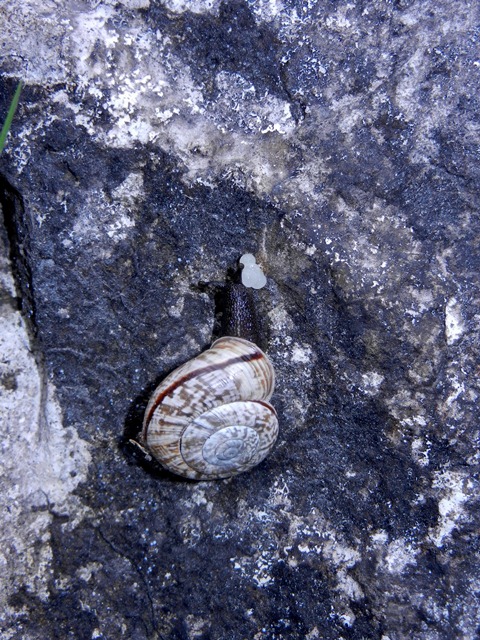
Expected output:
(210, 418)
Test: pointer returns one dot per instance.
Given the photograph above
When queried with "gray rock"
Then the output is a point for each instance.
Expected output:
(154, 144)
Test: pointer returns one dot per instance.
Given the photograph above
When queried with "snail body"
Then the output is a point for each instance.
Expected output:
(211, 418)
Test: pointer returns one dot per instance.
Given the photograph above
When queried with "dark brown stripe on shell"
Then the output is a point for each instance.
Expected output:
(212, 367)
(267, 405)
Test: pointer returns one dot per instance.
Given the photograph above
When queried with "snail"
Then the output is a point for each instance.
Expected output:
(210, 418)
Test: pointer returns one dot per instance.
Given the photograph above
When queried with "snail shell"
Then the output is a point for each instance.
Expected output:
(210, 418)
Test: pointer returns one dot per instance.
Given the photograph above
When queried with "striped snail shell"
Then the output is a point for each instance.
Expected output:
(210, 418)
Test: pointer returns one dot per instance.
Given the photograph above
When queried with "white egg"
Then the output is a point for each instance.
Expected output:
(252, 274)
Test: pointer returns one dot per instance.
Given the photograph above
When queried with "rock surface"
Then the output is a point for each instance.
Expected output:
(155, 143)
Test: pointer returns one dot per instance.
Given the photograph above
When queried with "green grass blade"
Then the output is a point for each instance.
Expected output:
(11, 112)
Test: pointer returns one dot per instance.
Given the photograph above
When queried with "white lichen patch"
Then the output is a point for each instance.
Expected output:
(303, 361)
(195, 6)
(311, 540)
(42, 462)
(339, 21)
(87, 571)
(116, 229)
(103, 218)
(379, 537)
(196, 625)
(399, 555)
(135, 4)
(341, 554)
(198, 496)
(371, 382)
(363, 255)
(454, 489)
(241, 107)
(7, 283)
(407, 408)
(423, 297)
(131, 190)
(313, 634)
(38, 48)
(283, 323)
(302, 354)
(415, 71)
(95, 30)
(146, 94)
(267, 10)
(421, 450)
(454, 325)
(208, 152)
(318, 539)
(457, 389)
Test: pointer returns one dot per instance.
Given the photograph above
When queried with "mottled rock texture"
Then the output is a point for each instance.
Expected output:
(154, 144)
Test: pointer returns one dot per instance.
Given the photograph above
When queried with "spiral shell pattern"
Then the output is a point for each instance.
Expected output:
(210, 418)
